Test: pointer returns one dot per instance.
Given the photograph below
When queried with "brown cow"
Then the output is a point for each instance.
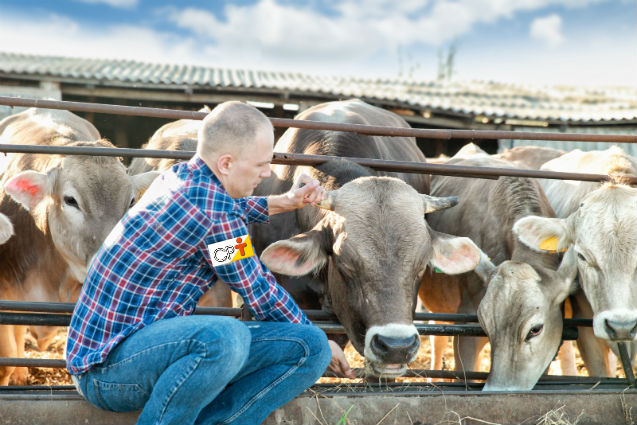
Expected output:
(362, 258)
(532, 282)
(532, 157)
(62, 208)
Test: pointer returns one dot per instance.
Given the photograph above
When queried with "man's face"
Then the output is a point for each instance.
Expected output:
(250, 166)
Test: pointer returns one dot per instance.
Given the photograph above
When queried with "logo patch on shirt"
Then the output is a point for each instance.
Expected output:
(230, 250)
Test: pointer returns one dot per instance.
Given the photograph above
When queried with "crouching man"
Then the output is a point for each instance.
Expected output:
(133, 342)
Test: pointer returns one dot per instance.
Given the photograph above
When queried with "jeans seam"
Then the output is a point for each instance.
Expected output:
(277, 381)
(131, 358)
(185, 376)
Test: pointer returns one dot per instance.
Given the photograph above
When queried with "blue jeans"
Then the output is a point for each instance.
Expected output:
(207, 370)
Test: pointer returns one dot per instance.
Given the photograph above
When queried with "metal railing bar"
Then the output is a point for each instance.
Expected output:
(55, 319)
(311, 160)
(320, 125)
(319, 315)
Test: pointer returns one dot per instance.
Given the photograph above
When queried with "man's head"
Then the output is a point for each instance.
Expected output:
(236, 142)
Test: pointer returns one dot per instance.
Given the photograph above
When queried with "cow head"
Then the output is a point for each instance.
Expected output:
(602, 234)
(371, 250)
(78, 202)
(520, 313)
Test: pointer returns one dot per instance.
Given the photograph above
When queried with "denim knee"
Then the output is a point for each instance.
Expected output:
(319, 347)
(229, 340)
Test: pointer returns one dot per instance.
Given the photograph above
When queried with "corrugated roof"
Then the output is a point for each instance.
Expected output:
(491, 99)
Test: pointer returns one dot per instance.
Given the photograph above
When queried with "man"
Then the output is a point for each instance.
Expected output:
(133, 342)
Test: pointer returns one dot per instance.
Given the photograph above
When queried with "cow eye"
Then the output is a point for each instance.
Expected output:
(132, 202)
(70, 201)
(535, 331)
(581, 257)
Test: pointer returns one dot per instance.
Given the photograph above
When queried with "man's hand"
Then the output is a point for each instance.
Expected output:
(339, 364)
(305, 190)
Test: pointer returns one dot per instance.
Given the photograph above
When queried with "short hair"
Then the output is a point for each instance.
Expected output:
(230, 127)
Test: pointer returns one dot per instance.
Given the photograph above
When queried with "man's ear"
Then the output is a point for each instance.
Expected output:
(224, 163)
(296, 256)
(543, 234)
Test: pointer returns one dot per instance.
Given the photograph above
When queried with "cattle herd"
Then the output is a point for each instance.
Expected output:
(512, 250)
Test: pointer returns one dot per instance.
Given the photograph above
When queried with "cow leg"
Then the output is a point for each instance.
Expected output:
(44, 335)
(438, 346)
(566, 356)
(467, 352)
(20, 374)
(7, 349)
(219, 295)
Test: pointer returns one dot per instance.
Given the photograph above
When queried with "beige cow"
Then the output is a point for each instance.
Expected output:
(520, 311)
(363, 257)
(598, 221)
(62, 208)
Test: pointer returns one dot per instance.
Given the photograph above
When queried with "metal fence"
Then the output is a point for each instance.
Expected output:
(59, 314)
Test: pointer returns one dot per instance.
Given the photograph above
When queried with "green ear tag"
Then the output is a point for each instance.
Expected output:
(437, 270)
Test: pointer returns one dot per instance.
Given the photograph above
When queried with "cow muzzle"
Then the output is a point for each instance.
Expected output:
(616, 325)
(389, 348)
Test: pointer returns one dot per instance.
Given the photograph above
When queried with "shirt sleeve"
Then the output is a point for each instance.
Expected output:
(266, 299)
(255, 208)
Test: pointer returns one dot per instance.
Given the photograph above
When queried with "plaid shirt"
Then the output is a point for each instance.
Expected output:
(155, 264)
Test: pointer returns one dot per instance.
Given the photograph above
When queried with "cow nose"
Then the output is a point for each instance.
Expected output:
(395, 350)
(621, 330)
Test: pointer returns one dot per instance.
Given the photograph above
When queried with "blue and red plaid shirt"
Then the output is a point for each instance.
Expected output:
(155, 264)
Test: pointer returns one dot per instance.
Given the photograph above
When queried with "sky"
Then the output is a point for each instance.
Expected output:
(589, 43)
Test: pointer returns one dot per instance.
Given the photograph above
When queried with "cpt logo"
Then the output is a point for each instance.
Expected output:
(230, 250)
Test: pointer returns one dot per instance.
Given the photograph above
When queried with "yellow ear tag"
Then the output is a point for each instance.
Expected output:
(550, 244)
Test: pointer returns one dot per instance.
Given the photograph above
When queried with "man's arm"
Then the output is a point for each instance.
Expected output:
(304, 191)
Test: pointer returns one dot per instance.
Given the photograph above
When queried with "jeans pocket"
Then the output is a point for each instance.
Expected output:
(119, 397)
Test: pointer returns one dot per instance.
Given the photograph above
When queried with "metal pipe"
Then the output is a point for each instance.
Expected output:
(626, 363)
(54, 319)
(316, 315)
(312, 160)
(316, 125)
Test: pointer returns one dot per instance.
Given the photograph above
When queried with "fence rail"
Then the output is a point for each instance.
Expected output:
(57, 313)
(320, 125)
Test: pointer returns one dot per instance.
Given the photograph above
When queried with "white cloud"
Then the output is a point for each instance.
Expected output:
(125, 4)
(356, 38)
(548, 29)
(58, 35)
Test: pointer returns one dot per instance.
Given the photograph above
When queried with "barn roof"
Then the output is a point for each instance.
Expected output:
(477, 98)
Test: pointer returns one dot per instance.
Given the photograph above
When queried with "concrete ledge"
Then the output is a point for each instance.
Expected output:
(585, 407)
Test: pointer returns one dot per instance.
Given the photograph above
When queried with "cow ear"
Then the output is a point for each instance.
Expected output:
(454, 255)
(141, 182)
(543, 234)
(29, 188)
(296, 256)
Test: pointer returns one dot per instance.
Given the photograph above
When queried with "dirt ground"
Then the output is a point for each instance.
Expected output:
(49, 376)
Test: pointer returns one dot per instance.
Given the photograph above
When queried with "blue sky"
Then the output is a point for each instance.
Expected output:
(575, 42)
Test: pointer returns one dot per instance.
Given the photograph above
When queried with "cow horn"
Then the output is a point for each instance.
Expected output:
(434, 203)
(328, 202)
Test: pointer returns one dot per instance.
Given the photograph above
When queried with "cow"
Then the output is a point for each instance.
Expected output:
(598, 221)
(362, 256)
(532, 157)
(518, 301)
(62, 208)
(180, 135)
